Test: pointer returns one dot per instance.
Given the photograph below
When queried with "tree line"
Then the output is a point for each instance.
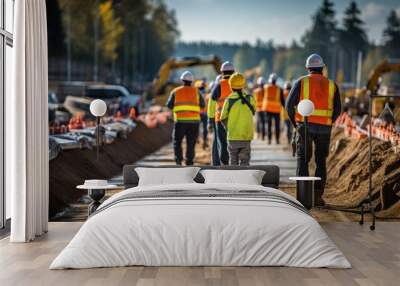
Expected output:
(121, 41)
(340, 46)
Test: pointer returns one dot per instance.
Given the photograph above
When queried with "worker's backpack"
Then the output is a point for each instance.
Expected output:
(244, 100)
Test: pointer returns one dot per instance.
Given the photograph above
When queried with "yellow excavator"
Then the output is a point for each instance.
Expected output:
(374, 85)
(356, 102)
(161, 86)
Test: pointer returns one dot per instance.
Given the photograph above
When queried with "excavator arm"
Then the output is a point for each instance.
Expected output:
(373, 85)
(387, 66)
(175, 63)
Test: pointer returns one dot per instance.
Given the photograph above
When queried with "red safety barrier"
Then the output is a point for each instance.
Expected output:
(379, 129)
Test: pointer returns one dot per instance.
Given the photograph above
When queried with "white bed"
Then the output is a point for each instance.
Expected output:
(247, 226)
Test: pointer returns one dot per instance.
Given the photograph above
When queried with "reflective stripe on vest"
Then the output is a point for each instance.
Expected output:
(284, 115)
(187, 105)
(272, 102)
(321, 115)
(225, 91)
(259, 97)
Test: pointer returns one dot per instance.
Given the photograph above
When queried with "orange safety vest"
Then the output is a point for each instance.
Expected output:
(284, 115)
(321, 92)
(258, 94)
(272, 100)
(187, 104)
(224, 93)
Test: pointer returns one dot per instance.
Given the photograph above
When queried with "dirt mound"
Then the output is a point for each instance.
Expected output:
(72, 167)
(348, 173)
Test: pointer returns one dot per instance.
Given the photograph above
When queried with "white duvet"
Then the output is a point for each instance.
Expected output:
(200, 231)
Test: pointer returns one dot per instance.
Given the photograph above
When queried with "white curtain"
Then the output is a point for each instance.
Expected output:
(27, 124)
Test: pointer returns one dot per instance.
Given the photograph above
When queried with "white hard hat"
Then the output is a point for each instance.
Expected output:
(272, 77)
(315, 61)
(261, 80)
(227, 66)
(187, 76)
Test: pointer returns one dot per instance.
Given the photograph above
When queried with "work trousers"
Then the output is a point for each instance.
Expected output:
(260, 124)
(239, 153)
(190, 131)
(321, 151)
(289, 130)
(277, 120)
(222, 143)
(204, 130)
(214, 149)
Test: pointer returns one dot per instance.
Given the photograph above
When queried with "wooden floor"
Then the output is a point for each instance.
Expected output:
(375, 257)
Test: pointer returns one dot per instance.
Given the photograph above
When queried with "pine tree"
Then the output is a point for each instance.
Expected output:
(391, 35)
(322, 35)
(352, 39)
(353, 36)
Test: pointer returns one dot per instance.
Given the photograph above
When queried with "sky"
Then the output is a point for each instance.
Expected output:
(280, 20)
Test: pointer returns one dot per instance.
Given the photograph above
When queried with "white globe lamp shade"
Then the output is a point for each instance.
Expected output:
(98, 107)
(305, 107)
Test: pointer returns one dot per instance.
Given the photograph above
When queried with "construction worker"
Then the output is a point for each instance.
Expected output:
(258, 94)
(211, 106)
(324, 93)
(237, 117)
(273, 100)
(284, 116)
(201, 86)
(219, 94)
(185, 102)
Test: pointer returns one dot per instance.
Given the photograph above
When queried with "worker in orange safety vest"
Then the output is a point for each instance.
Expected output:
(258, 94)
(284, 116)
(273, 101)
(219, 94)
(325, 96)
(185, 102)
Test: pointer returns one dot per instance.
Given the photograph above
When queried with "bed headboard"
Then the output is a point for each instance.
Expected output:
(270, 179)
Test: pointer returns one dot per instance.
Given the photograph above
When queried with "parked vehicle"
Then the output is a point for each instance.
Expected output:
(117, 98)
(57, 111)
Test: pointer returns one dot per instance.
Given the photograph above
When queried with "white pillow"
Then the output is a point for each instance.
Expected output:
(166, 176)
(248, 177)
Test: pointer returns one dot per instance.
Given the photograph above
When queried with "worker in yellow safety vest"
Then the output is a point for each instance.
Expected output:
(325, 96)
(219, 94)
(273, 100)
(284, 116)
(237, 117)
(185, 102)
(258, 94)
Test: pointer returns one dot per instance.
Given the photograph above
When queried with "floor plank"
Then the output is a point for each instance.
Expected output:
(375, 257)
